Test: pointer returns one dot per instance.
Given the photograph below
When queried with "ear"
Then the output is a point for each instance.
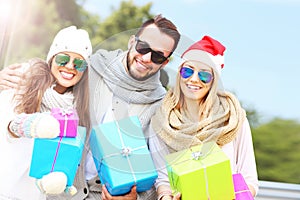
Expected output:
(131, 41)
(165, 63)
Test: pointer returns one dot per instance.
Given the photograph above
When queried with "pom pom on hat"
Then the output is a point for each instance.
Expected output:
(208, 51)
(73, 40)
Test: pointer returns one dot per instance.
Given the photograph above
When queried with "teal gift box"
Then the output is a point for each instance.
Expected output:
(122, 157)
(61, 154)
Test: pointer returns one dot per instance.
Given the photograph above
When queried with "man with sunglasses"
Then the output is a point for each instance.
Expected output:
(128, 83)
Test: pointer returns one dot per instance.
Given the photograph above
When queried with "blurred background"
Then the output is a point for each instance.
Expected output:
(261, 60)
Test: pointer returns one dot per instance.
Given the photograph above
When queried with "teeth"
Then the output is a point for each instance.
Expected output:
(67, 75)
(193, 87)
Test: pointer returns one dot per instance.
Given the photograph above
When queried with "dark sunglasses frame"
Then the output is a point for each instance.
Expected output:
(62, 59)
(205, 77)
(144, 48)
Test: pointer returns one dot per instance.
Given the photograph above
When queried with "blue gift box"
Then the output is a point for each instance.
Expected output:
(122, 157)
(60, 154)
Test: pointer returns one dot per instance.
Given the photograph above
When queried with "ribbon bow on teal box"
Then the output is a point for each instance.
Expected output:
(122, 157)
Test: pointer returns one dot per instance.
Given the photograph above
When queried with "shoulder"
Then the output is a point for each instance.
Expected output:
(105, 56)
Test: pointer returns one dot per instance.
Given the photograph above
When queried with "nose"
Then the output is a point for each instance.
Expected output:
(147, 57)
(70, 65)
(195, 76)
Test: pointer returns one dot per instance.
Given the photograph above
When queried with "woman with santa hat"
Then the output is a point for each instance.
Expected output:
(198, 111)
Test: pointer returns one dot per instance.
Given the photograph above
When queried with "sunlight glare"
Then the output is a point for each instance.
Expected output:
(5, 10)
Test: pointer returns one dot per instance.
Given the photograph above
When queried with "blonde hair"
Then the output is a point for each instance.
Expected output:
(207, 101)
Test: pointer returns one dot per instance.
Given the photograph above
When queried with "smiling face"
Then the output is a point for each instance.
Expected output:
(192, 87)
(65, 73)
(140, 65)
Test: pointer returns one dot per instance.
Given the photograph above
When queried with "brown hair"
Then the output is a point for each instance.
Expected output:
(37, 79)
(165, 26)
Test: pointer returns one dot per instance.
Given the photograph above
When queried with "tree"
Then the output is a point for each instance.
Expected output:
(115, 30)
(30, 30)
(277, 147)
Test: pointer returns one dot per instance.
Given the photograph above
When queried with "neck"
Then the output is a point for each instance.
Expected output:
(192, 109)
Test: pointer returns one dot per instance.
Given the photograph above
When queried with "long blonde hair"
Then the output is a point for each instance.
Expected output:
(207, 101)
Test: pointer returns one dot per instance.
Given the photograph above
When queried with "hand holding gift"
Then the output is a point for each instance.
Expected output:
(68, 120)
(35, 125)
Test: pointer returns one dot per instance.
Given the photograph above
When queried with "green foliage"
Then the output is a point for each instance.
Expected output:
(277, 147)
(115, 31)
(30, 30)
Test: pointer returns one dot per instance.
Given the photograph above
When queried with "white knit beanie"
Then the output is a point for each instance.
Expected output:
(73, 40)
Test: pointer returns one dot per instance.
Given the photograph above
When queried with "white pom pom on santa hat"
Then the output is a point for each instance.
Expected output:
(208, 51)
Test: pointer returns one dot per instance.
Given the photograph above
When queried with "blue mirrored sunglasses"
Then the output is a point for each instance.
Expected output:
(187, 72)
(63, 59)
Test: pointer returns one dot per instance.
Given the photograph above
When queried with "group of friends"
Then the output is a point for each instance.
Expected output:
(109, 85)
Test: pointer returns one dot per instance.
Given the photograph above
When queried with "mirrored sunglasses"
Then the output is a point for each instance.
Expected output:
(187, 72)
(63, 59)
(144, 48)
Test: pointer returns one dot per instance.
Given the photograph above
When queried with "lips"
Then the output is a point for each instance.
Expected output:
(67, 75)
(193, 87)
(140, 66)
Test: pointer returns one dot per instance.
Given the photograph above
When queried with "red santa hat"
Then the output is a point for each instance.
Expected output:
(208, 51)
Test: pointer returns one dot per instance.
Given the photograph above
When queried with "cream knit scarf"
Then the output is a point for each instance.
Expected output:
(52, 99)
(221, 123)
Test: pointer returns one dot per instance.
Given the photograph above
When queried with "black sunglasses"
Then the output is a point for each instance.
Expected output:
(144, 48)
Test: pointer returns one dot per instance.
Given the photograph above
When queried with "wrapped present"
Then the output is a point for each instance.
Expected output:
(201, 172)
(68, 121)
(122, 157)
(61, 154)
(241, 189)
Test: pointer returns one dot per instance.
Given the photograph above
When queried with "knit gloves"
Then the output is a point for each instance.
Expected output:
(36, 125)
(55, 183)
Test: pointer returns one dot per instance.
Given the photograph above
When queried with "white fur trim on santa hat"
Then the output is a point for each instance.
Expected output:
(73, 40)
(215, 62)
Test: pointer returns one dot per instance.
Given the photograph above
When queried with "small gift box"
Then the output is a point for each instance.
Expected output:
(60, 154)
(122, 157)
(68, 120)
(241, 189)
(201, 172)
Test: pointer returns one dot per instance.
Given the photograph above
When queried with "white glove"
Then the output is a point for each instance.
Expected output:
(35, 125)
(55, 183)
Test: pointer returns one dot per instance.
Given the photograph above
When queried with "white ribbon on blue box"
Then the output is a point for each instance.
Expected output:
(122, 157)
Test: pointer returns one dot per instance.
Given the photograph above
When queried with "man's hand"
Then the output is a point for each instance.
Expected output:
(132, 195)
(10, 77)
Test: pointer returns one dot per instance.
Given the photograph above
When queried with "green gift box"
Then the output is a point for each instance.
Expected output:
(201, 172)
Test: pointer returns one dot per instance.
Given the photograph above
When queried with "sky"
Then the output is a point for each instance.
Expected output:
(262, 40)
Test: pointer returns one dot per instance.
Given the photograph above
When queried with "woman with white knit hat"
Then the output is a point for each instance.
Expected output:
(198, 111)
(62, 82)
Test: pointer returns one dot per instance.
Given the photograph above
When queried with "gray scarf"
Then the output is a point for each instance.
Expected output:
(149, 93)
(109, 65)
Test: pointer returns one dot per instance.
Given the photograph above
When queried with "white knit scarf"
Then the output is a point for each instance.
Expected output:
(53, 99)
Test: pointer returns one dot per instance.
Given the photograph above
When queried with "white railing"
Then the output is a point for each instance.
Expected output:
(278, 191)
